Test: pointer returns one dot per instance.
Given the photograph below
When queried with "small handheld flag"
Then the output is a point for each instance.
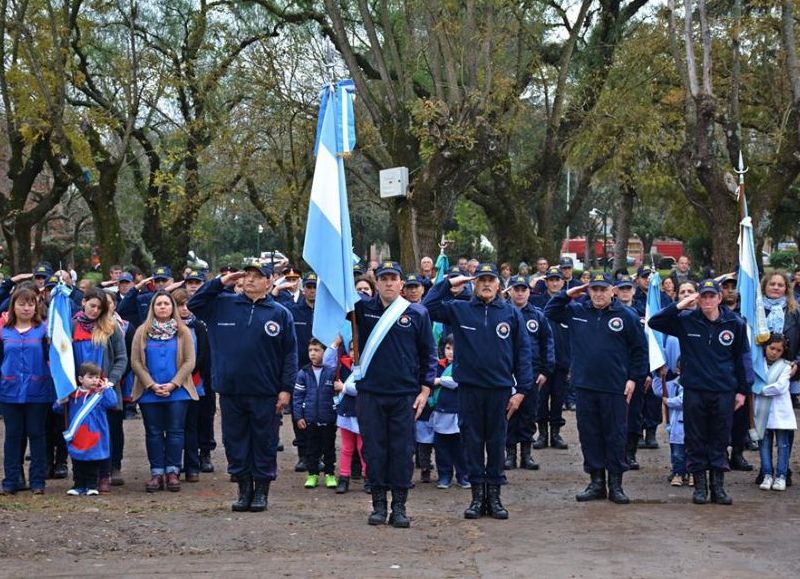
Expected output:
(59, 329)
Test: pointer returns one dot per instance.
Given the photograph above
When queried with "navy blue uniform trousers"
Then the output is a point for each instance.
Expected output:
(707, 420)
(551, 398)
(250, 435)
(652, 410)
(636, 410)
(482, 421)
(386, 423)
(522, 425)
(602, 430)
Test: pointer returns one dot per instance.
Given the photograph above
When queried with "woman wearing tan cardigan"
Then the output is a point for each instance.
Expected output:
(162, 360)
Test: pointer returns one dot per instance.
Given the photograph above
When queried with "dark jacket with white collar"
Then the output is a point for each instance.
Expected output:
(492, 346)
(606, 344)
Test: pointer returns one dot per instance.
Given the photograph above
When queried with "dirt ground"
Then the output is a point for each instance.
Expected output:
(316, 532)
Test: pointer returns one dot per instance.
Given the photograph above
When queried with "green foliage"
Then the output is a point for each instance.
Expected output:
(784, 259)
(472, 223)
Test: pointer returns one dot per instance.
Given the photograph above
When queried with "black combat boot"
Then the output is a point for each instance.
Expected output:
(700, 495)
(302, 465)
(596, 489)
(475, 508)
(541, 440)
(630, 451)
(494, 507)
(260, 495)
(718, 494)
(526, 458)
(738, 461)
(242, 504)
(205, 461)
(398, 519)
(511, 457)
(555, 439)
(615, 492)
(60, 469)
(379, 507)
(650, 439)
(343, 486)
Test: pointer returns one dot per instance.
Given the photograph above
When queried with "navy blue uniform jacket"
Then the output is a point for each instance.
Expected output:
(492, 347)
(542, 344)
(253, 347)
(303, 316)
(607, 344)
(406, 358)
(559, 330)
(715, 356)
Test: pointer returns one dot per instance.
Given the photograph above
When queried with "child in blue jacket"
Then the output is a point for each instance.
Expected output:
(88, 439)
(444, 419)
(314, 412)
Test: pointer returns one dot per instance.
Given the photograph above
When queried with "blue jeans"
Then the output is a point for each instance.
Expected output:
(21, 421)
(164, 424)
(677, 454)
(765, 449)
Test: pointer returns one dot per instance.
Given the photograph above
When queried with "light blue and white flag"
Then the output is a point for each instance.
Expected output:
(751, 302)
(442, 266)
(328, 247)
(59, 329)
(655, 340)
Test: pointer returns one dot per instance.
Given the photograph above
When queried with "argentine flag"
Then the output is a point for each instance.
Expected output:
(655, 340)
(328, 247)
(59, 329)
(751, 302)
(442, 267)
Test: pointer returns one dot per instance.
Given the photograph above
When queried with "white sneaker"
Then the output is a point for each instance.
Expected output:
(766, 484)
(92, 493)
(779, 484)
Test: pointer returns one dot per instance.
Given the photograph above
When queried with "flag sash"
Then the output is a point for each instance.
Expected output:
(375, 338)
(80, 417)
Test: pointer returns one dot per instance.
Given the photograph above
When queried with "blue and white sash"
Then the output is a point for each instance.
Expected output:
(79, 418)
(385, 323)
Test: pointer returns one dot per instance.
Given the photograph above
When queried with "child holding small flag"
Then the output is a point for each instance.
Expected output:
(88, 437)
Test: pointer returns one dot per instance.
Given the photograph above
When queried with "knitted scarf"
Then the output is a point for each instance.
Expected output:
(85, 321)
(775, 313)
(162, 330)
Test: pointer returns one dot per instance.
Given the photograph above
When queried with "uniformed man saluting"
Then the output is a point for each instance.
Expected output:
(608, 359)
(716, 375)
(492, 356)
(254, 361)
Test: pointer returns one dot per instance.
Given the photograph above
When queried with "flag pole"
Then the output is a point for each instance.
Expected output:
(741, 170)
(331, 66)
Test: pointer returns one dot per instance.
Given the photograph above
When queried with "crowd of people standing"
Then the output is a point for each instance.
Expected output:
(467, 377)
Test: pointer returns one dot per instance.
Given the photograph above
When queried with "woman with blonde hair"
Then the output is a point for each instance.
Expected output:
(162, 359)
(97, 338)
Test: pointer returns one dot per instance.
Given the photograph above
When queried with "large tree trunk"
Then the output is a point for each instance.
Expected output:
(107, 228)
(623, 227)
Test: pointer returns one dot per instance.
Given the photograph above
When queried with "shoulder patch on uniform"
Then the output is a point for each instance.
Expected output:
(616, 324)
(272, 328)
